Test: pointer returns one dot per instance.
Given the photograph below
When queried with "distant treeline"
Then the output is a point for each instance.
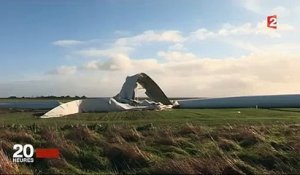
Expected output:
(49, 97)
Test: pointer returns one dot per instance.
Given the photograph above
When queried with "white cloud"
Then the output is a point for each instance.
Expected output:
(268, 69)
(64, 70)
(263, 49)
(122, 33)
(172, 36)
(281, 11)
(116, 62)
(177, 46)
(94, 52)
(274, 71)
(259, 73)
(252, 5)
(281, 8)
(246, 29)
(121, 62)
(202, 34)
(177, 56)
(66, 43)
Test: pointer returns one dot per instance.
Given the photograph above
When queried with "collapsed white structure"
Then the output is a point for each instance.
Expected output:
(125, 100)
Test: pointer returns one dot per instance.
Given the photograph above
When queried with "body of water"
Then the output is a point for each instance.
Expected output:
(44, 104)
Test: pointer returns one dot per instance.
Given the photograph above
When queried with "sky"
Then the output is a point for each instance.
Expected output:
(191, 48)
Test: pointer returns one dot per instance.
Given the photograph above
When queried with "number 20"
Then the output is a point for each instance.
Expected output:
(24, 149)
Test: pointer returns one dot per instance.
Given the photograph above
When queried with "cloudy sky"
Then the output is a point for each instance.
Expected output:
(198, 48)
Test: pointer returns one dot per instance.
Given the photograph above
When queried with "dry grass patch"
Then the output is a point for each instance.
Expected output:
(227, 145)
(83, 134)
(164, 138)
(294, 143)
(125, 156)
(7, 166)
(130, 135)
(189, 129)
(18, 136)
(167, 140)
(195, 166)
(52, 139)
(57, 163)
(245, 136)
(6, 146)
(264, 155)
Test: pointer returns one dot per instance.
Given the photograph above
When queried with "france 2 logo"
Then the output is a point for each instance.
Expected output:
(272, 21)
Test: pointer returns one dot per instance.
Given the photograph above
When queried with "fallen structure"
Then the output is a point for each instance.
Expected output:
(125, 100)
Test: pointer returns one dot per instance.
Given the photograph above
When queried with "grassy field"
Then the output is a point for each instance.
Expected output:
(179, 141)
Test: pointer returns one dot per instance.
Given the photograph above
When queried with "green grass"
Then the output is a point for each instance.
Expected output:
(184, 141)
(175, 116)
